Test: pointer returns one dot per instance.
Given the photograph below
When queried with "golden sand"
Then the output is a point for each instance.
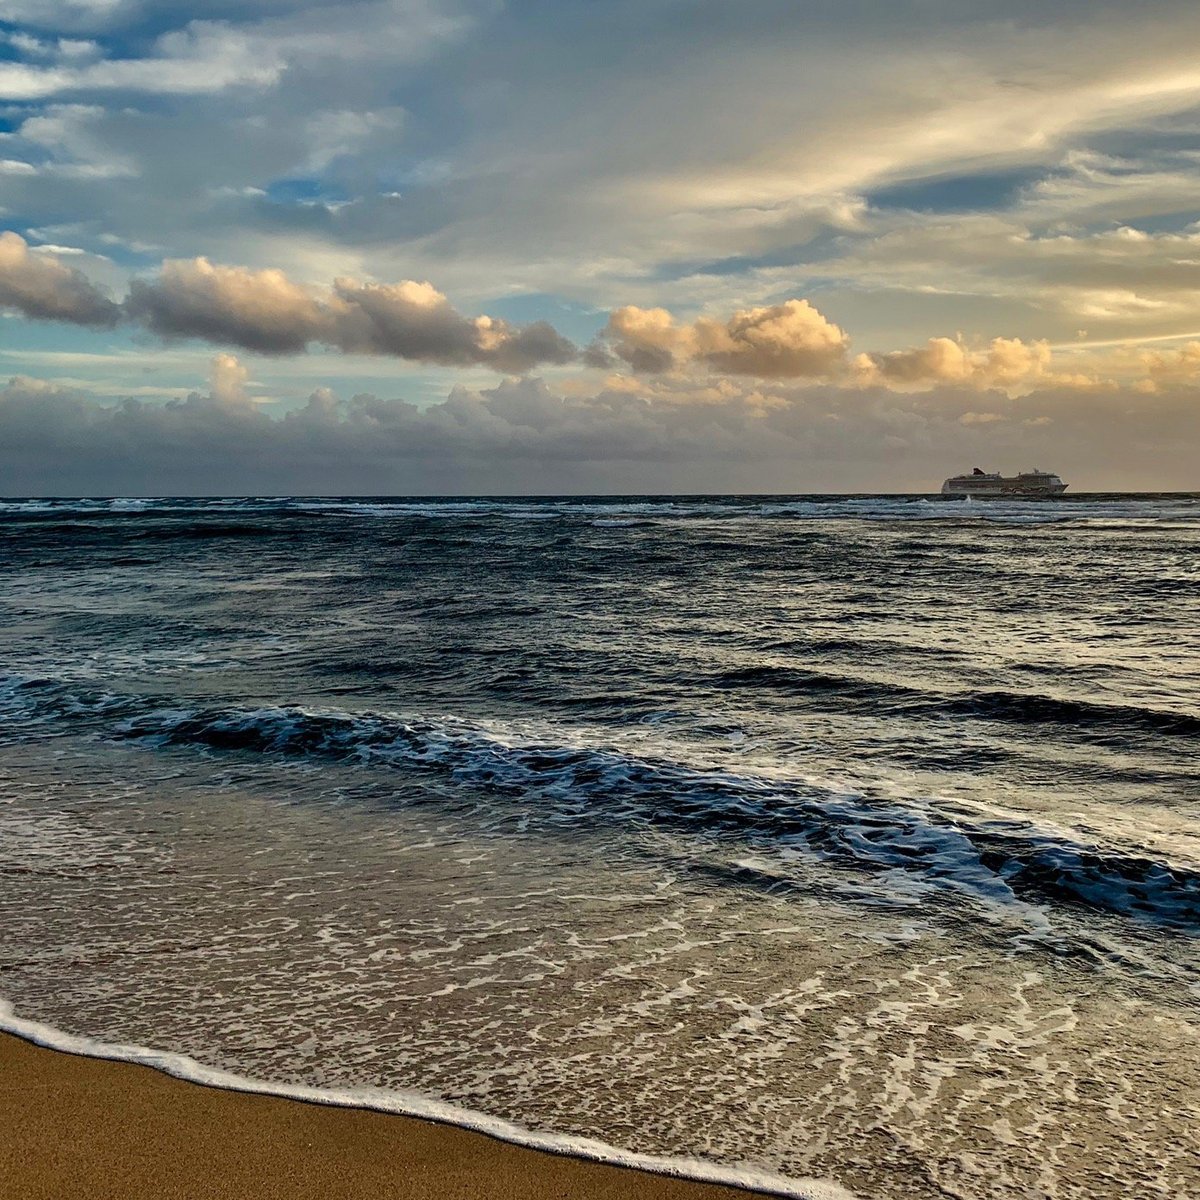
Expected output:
(76, 1128)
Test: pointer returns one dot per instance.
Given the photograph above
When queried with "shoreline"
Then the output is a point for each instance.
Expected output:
(131, 1125)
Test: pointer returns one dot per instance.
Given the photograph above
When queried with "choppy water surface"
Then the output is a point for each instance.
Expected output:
(852, 838)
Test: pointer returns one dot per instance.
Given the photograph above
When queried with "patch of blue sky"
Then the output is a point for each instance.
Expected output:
(20, 221)
(981, 192)
(1184, 221)
(799, 255)
(110, 363)
(272, 218)
(1143, 143)
(291, 382)
(129, 258)
(35, 156)
(124, 28)
(579, 322)
(88, 236)
(301, 190)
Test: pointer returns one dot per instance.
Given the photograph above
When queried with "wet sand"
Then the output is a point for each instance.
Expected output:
(89, 1128)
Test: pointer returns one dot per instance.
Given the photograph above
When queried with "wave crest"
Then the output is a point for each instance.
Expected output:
(919, 848)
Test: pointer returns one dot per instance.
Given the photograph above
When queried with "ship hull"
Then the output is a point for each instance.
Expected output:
(1000, 491)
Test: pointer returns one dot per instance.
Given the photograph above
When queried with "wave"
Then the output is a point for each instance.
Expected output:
(1088, 714)
(1090, 719)
(916, 849)
(1117, 510)
(427, 1108)
(201, 530)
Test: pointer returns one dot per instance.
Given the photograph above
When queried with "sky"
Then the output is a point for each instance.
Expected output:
(546, 246)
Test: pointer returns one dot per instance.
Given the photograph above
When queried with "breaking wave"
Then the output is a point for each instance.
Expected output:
(919, 847)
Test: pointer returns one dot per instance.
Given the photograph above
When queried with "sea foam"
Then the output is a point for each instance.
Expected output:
(428, 1108)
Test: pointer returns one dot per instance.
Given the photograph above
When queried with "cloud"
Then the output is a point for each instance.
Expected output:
(791, 340)
(1033, 266)
(257, 310)
(40, 287)
(203, 57)
(414, 320)
(1158, 370)
(267, 312)
(1006, 363)
(510, 168)
(227, 380)
(56, 48)
(662, 433)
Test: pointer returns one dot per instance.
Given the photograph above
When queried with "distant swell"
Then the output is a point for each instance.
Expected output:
(993, 861)
(1091, 719)
(1016, 706)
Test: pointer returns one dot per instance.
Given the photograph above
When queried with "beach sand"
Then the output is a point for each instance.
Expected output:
(76, 1128)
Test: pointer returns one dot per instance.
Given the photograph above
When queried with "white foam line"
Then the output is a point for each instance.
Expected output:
(414, 1104)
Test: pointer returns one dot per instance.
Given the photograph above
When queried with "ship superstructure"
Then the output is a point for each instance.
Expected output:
(982, 483)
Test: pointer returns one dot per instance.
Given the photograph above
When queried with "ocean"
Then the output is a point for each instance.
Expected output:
(839, 844)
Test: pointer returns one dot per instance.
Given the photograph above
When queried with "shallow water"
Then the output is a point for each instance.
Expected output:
(851, 838)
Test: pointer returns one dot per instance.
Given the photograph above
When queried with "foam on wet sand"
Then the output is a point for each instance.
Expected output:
(129, 1123)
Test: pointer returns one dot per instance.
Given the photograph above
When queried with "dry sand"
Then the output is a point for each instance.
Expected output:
(75, 1128)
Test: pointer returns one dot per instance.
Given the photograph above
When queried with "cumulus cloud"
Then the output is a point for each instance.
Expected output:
(1165, 368)
(414, 320)
(38, 286)
(503, 174)
(660, 433)
(791, 340)
(227, 379)
(257, 310)
(267, 312)
(1004, 363)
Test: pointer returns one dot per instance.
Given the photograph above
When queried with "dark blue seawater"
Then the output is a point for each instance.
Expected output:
(850, 838)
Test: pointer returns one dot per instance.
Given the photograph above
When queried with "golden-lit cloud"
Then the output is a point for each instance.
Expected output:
(38, 286)
(791, 340)
(1005, 363)
(268, 312)
(257, 310)
(1167, 368)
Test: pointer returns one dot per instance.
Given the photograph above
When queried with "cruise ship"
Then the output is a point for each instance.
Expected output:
(1035, 484)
